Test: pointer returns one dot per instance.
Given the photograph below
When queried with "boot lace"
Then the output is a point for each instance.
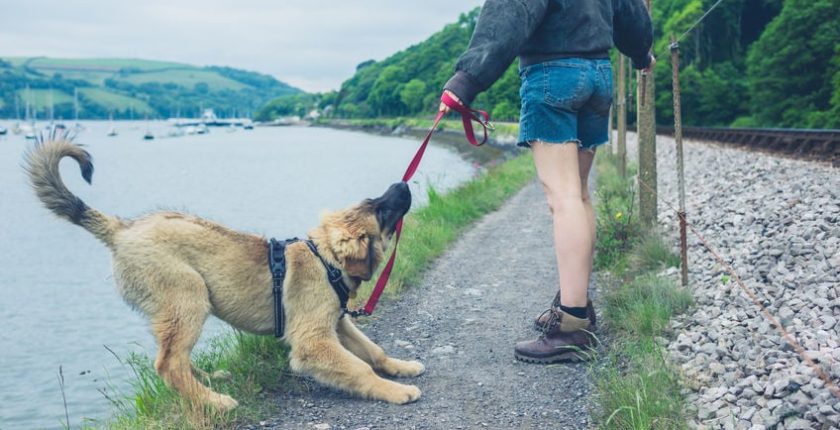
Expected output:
(553, 319)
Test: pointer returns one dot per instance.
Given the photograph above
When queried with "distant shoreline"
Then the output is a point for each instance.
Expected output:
(498, 147)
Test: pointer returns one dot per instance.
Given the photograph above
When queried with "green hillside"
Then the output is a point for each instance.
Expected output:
(129, 88)
(764, 63)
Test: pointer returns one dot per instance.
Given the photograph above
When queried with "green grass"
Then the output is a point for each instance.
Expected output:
(186, 78)
(103, 64)
(651, 254)
(255, 366)
(643, 307)
(258, 364)
(636, 386)
(39, 99)
(113, 101)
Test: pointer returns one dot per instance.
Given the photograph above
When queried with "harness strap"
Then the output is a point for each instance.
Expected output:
(335, 277)
(467, 116)
(277, 265)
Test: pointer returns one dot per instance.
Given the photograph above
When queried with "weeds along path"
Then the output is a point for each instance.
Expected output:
(461, 321)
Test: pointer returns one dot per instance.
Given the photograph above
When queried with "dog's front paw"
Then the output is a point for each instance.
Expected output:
(222, 402)
(221, 375)
(400, 394)
(396, 367)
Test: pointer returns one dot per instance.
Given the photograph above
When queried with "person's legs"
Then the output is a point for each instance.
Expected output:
(585, 158)
(567, 331)
(560, 174)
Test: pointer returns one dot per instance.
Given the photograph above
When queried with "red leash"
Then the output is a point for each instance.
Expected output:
(467, 116)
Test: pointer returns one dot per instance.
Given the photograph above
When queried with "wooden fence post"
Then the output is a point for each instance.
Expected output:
(611, 143)
(621, 105)
(646, 126)
(675, 76)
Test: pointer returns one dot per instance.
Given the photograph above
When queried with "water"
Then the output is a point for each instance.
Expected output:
(58, 304)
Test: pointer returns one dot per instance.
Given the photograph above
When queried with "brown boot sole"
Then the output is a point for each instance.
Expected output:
(563, 357)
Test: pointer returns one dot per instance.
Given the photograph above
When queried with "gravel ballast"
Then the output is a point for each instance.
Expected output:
(777, 222)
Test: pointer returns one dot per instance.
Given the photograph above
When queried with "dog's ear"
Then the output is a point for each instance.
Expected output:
(346, 237)
(358, 257)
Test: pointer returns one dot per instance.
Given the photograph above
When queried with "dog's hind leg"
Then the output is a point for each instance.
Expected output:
(359, 344)
(177, 325)
(329, 362)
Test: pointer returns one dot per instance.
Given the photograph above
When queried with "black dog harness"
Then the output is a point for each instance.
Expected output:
(277, 264)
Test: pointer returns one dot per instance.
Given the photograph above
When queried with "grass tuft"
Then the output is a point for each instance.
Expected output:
(651, 254)
(253, 366)
(643, 307)
(636, 386)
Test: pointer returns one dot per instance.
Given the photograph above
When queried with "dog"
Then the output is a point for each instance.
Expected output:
(177, 269)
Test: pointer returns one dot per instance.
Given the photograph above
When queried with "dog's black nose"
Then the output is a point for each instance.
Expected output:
(393, 205)
(398, 197)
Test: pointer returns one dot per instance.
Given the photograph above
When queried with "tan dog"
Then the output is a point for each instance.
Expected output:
(177, 269)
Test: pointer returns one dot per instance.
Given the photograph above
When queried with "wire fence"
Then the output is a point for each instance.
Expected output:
(789, 338)
(772, 319)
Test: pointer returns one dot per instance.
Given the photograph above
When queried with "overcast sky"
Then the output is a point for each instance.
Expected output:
(311, 44)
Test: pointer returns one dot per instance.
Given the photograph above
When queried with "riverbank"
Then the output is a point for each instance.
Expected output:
(501, 143)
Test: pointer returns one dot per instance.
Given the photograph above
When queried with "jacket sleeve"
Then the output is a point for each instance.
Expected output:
(502, 29)
(632, 31)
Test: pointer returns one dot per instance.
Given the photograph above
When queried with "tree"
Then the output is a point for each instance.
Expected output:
(412, 95)
(789, 66)
(385, 94)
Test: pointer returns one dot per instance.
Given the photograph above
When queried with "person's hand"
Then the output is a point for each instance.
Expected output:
(649, 68)
(443, 107)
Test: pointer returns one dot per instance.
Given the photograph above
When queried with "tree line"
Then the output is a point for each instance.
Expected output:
(756, 63)
(166, 99)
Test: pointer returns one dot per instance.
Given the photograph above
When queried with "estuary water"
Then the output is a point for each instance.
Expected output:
(58, 304)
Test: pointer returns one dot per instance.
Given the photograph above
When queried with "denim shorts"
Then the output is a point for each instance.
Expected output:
(566, 100)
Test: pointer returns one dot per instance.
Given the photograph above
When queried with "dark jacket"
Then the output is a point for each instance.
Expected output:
(542, 30)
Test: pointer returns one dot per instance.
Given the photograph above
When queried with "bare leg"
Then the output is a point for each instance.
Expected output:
(361, 346)
(560, 173)
(585, 159)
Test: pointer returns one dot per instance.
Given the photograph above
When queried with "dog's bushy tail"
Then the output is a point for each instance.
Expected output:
(41, 163)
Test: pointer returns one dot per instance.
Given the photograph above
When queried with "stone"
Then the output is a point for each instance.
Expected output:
(799, 424)
(443, 350)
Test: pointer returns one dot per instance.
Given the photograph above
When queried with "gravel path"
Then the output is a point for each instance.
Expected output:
(777, 221)
(461, 322)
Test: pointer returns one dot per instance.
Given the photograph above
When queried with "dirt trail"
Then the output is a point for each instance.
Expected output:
(461, 322)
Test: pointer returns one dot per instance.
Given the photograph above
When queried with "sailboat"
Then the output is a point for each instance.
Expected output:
(78, 125)
(148, 135)
(28, 130)
(112, 131)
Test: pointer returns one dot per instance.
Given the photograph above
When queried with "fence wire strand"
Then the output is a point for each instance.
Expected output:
(831, 385)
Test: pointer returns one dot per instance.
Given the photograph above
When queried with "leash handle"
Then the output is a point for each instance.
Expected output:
(467, 117)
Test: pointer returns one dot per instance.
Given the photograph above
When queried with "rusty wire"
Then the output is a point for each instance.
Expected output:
(831, 385)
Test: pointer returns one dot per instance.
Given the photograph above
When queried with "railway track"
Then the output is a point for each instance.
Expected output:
(816, 145)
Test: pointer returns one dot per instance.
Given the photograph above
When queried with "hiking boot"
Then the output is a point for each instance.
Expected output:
(542, 319)
(566, 338)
